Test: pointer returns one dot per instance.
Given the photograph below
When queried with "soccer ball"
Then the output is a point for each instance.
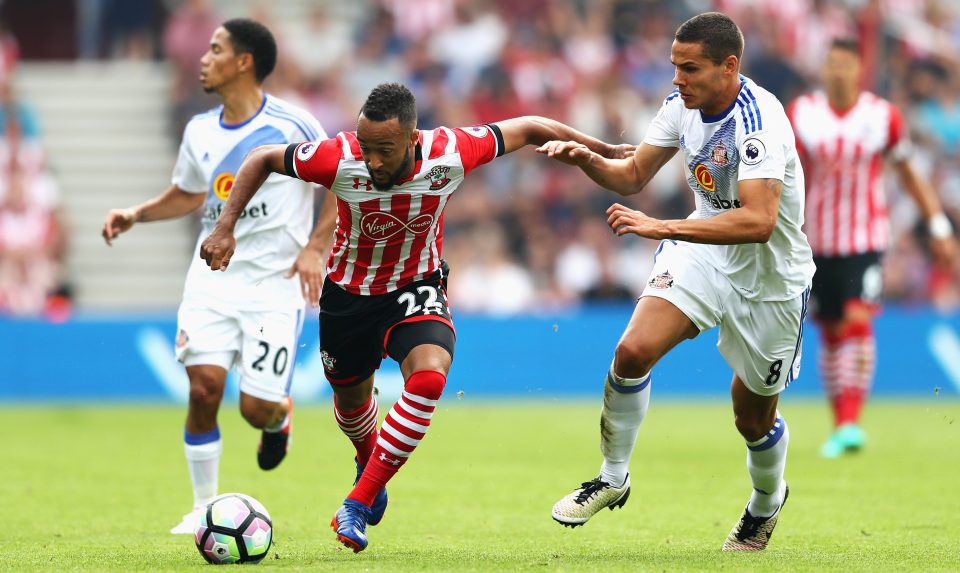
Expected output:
(234, 528)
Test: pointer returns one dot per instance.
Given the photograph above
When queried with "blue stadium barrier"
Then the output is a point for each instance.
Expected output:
(95, 359)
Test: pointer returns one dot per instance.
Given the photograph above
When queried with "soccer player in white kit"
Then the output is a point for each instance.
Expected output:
(250, 317)
(844, 137)
(740, 262)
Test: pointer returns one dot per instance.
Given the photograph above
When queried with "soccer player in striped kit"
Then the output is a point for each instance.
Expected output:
(249, 318)
(740, 262)
(385, 290)
(844, 136)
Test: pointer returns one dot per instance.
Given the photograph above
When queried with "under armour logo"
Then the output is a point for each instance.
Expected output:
(367, 184)
(384, 458)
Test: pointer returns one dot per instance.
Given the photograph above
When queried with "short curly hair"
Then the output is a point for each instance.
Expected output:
(392, 100)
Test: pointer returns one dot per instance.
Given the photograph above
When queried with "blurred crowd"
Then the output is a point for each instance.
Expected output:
(32, 234)
(525, 233)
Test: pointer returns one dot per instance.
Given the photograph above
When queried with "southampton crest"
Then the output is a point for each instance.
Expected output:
(329, 362)
(437, 177)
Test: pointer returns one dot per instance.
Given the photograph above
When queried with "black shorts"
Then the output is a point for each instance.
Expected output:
(839, 280)
(358, 331)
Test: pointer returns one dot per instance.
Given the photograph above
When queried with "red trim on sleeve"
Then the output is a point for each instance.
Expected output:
(320, 167)
(896, 129)
(475, 151)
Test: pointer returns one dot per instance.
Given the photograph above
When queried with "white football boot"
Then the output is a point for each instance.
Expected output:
(753, 533)
(592, 496)
(190, 522)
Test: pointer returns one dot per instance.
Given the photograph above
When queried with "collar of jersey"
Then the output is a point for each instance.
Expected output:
(715, 118)
(418, 161)
(251, 118)
(842, 113)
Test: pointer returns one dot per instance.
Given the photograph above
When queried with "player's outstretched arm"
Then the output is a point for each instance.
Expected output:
(942, 241)
(535, 130)
(623, 176)
(171, 204)
(753, 222)
(310, 263)
(219, 246)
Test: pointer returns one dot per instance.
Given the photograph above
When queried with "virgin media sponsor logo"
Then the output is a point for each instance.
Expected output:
(380, 226)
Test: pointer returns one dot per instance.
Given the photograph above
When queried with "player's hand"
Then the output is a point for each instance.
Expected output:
(627, 221)
(621, 151)
(569, 152)
(217, 248)
(118, 221)
(310, 266)
(944, 252)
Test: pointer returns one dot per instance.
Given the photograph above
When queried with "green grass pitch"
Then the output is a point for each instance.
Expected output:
(96, 489)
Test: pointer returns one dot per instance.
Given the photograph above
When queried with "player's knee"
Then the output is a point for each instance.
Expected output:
(634, 358)
(349, 401)
(205, 391)
(428, 355)
(352, 396)
(426, 383)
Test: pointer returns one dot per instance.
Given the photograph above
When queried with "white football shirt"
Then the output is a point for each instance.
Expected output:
(274, 226)
(752, 139)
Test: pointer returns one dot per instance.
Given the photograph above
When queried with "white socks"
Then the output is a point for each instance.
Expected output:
(625, 402)
(203, 459)
(766, 460)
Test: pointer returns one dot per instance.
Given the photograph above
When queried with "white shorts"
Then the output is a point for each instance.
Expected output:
(760, 340)
(261, 344)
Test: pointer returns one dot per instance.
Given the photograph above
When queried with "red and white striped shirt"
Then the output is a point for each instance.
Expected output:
(842, 155)
(386, 240)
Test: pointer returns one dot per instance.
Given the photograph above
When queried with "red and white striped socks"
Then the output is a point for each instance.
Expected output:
(847, 365)
(401, 432)
(360, 426)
